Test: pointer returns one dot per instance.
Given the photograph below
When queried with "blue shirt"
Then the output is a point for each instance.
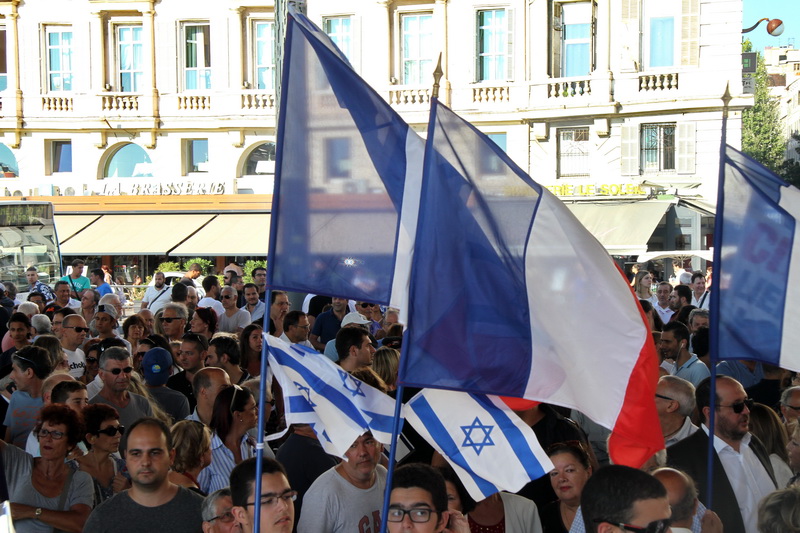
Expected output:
(740, 373)
(217, 475)
(104, 289)
(694, 371)
(326, 326)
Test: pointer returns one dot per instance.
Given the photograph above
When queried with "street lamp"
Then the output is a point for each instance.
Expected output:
(774, 27)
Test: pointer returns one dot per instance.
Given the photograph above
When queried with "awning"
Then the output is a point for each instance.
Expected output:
(69, 225)
(708, 255)
(228, 235)
(698, 204)
(623, 228)
(142, 234)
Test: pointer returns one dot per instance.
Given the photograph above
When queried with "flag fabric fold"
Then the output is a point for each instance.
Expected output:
(339, 407)
(511, 295)
(487, 444)
(343, 162)
(756, 265)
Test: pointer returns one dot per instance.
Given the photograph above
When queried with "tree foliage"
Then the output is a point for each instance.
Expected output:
(762, 135)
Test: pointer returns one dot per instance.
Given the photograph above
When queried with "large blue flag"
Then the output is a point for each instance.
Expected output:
(506, 290)
(344, 157)
(757, 265)
(487, 444)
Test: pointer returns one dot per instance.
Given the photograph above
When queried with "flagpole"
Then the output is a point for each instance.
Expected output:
(714, 304)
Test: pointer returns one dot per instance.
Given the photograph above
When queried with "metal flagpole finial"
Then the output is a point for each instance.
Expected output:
(726, 97)
(437, 75)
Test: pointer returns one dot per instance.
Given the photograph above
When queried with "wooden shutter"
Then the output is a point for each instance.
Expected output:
(629, 154)
(686, 147)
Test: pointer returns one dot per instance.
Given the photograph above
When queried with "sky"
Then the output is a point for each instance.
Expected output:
(786, 10)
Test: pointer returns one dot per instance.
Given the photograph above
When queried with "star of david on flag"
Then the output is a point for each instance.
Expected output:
(487, 444)
(317, 392)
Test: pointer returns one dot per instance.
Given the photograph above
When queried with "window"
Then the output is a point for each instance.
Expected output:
(8, 162)
(416, 45)
(129, 161)
(265, 55)
(494, 165)
(494, 52)
(261, 160)
(197, 155)
(59, 59)
(340, 30)
(657, 147)
(3, 62)
(661, 39)
(337, 157)
(197, 46)
(130, 62)
(573, 153)
(62, 156)
(576, 39)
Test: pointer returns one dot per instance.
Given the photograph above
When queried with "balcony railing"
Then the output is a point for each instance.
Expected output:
(569, 88)
(491, 95)
(57, 103)
(658, 82)
(258, 101)
(410, 96)
(194, 102)
(121, 102)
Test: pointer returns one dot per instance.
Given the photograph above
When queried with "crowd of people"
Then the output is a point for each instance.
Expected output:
(151, 423)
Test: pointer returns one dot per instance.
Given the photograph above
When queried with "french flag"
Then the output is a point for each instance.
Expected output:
(510, 295)
(756, 265)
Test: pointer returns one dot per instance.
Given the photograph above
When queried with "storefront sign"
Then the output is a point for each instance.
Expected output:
(120, 187)
(599, 189)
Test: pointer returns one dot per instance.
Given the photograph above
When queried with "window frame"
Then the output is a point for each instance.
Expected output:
(560, 154)
(506, 36)
(202, 72)
(661, 150)
(189, 148)
(3, 58)
(48, 71)
(591, 39)
(350, 34)
(117, 65)
(659, 9)
(402, 59)
(54, 155)
(254, 56)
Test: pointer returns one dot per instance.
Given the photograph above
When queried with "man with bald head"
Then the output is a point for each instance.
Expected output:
(206, 384)
(682, 496)
(675, 403)
(149, 320)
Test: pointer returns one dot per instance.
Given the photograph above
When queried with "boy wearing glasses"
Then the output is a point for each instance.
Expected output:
(276, 500)
(418, 501)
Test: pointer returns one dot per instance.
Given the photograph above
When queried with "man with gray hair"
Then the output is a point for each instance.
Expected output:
(173, 320)
(115, 373)
(216, 512)
(233, 319)
(790, 404)
(698, 318)
(675, 402)
(41, 325)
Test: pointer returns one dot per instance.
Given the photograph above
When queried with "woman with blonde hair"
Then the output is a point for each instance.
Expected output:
(58, 359)
(643, 285)
(192, 442)
(386, 363)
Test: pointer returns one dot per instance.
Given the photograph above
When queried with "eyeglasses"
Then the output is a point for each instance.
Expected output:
(55, 435)
(664, 397)
(738, 407)
(92, 360)
(307, 326)
(659, 526)
(227, 296)
(111, 431)
(78, 329)
(792, 407)
(268, 500)
(398, 514)
(118, 371)
(170, 319)
(225, 518)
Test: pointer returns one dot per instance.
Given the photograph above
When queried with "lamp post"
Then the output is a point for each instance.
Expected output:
(774, 27)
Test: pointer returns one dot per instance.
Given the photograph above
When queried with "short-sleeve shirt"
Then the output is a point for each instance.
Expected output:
(121, 514)
(77, 285)
(231, 324)
(138, 407)
(326, 326)
(21, 416)
(18, 469)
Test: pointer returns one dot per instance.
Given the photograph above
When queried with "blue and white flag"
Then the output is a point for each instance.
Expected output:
(488, 445)
(318, 392)
(345, 160)
(756, 265)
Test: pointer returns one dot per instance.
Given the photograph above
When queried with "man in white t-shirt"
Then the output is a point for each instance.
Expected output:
(156, 296)
(211, 287)
(73, 333)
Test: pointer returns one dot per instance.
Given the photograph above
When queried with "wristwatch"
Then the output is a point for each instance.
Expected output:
(38, 512)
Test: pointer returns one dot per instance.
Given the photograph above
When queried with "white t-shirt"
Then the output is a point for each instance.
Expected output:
(216, 305)
(77, 362)
(154, 301)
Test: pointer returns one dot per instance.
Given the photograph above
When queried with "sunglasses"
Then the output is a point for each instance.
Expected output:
(78, 329)
(169, 320)
(111, 431)
(365, 305)
(227, 296)
(664, 397)
(92, 360)
(118, 371)
(659, 526)
(738, 407)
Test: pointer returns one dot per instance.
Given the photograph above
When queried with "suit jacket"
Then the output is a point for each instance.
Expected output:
(691, 456)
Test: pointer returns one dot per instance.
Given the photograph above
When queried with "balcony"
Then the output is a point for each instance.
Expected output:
(120, 102)
(569, 88)
(194, 102)
(488, 94)
(255, 100)
(658, 82)
(57, 104)
(410, 97)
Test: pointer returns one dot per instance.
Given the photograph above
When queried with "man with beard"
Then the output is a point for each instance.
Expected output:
(153, 503)
(674, 345)
(743, 474)
(158, 295)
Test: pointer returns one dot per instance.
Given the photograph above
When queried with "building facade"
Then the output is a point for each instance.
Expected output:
(143, 107)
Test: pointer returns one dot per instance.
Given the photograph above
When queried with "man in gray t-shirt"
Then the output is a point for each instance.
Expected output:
(349, 496)
(152, 503)
(115, 373)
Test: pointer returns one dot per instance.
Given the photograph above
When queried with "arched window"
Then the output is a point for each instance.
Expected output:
(8, 163)
(261, 160)
(129, 161)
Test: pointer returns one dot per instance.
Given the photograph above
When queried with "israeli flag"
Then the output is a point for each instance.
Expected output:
(488, 445)
(339, 407)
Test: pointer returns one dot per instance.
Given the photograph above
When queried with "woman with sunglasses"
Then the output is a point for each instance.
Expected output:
(235, 413)
(571, 471)
(103, 435)
(192, 442)
(204, 322)
(250, 349)
(47, 494)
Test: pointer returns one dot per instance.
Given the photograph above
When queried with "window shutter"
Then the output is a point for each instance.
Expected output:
(686, 147)
(629, 155)
(690, 32)
(593, 45)
(555, 40)
(510, 44)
